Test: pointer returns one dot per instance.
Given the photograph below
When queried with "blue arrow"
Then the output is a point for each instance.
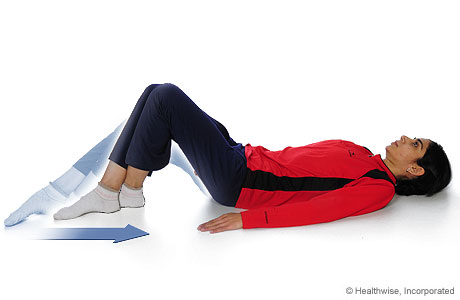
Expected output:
(116, 234)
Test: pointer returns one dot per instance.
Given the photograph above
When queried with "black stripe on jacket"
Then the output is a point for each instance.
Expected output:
(267, 181)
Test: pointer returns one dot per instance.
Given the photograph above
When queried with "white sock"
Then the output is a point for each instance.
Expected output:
(41, 202)
(99, 199)
(130, 197)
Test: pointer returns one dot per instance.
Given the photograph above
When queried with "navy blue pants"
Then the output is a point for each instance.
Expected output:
(165, 112)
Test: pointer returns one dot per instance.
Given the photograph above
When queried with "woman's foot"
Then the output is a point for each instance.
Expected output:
(131, 197)
(42, 202)
(101, 200)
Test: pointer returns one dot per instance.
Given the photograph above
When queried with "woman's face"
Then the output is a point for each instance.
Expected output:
(405, 152)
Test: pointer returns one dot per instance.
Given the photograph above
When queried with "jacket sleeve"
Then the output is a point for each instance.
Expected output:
(362, 196)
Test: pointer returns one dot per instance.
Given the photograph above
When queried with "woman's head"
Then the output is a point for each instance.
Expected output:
(421, 166)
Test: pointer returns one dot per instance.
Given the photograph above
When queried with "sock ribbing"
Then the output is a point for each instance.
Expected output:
(130, 197)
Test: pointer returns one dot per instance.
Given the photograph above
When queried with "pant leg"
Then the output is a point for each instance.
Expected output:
(118, 154)
(168, 113)
(223, 130)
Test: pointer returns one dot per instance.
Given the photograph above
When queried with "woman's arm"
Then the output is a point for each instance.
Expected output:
(363, 196)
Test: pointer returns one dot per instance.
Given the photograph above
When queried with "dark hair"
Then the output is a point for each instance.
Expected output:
(437, 174)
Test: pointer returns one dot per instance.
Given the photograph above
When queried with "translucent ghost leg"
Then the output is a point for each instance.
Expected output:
(81, 177)
(76, 180)
(88, 168)
(179, 159)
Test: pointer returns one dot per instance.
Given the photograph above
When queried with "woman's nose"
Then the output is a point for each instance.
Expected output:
(403, 138)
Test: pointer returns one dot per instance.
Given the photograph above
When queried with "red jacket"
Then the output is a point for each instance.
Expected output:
(317, 183)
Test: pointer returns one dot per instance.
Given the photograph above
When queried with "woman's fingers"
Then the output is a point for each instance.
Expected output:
(221, 228)
(225, 222)
(215, 221)
(212, 224)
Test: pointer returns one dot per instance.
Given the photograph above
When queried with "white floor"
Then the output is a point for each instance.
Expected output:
(275, 75)
(411, 243)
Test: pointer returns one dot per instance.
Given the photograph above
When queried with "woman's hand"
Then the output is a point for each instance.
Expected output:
(230, 221)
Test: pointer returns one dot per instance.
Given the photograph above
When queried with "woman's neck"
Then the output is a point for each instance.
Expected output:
(390, 165)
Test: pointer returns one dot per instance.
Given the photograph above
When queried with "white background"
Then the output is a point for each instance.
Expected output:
(276, 74)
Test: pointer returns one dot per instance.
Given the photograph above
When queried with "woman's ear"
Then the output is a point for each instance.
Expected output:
(416, 170)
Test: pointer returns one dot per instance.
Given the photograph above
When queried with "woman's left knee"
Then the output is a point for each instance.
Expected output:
(167, 89)
(169, 95)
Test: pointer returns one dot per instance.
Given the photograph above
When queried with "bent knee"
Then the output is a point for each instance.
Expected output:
(168, 89)
(150, 88)
(161, 88)
(169, 94)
